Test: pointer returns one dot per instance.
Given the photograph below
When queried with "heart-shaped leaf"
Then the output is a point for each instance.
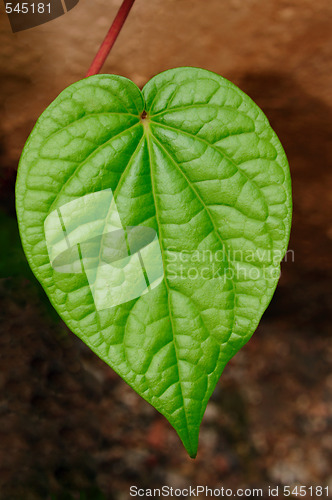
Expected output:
(156, 222)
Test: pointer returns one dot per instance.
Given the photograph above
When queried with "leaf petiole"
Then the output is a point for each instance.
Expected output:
(110, 38)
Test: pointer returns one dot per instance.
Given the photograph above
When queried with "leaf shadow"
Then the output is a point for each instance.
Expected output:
(303, 124)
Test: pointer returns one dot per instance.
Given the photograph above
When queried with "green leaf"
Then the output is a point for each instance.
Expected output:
(194, 159)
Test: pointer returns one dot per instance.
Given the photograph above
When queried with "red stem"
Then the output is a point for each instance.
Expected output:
(111, 37)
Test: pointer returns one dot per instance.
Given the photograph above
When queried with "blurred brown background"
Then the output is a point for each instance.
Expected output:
(68, 424)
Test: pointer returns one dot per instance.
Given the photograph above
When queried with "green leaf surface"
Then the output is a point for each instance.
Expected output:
(195, 159)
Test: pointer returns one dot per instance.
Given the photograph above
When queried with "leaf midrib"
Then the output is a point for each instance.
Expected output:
(168, 293)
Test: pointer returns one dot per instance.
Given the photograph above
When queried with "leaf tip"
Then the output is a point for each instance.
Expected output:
(190, 442)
